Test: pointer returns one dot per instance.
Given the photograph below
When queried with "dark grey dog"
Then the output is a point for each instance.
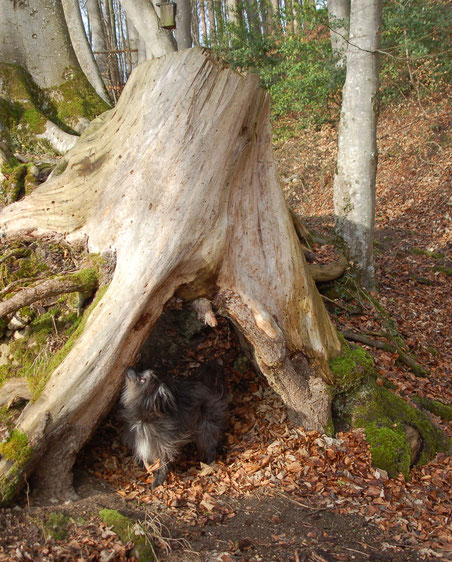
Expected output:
(165, 413)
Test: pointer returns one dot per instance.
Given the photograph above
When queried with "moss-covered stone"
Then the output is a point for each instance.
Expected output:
(350, 367)
(13, 187)
(389, 448)
(385, 417)
(358, 401)
(128, 530)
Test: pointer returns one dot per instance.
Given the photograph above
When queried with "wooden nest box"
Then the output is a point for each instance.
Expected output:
(167, 14)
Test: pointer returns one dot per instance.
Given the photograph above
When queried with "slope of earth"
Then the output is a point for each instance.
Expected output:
(279, 493)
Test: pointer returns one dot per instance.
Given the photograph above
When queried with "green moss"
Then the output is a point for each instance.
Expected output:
(428, 253)
(25, 108)
(126, 529)
(56, 526)
(16, 448)
(9, 484)
(76, 98)
(438, 408)
(359, 402)
(350, 367)
(38, 378)
(389, 448)
(13, 187)
(330, 429)
(442, 269)
(378, 406)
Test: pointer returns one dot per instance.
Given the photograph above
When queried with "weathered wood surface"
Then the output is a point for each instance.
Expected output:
(179, 182)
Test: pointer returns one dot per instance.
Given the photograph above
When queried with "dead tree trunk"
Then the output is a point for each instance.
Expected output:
(179, 181)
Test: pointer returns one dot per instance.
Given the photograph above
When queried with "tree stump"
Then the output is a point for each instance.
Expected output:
(179, 182)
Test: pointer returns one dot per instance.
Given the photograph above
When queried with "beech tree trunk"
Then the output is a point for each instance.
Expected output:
(179, 182)
(142, 14)
(182, 32)
(82, 47)
(339, 17)
(354, 182)
(34, 38)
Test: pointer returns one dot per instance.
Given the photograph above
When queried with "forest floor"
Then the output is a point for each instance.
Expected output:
(276, 492)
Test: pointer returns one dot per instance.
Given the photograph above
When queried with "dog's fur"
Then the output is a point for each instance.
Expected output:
(163, 414)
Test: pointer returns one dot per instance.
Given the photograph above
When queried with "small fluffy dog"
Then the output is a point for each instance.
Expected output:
(163, 414)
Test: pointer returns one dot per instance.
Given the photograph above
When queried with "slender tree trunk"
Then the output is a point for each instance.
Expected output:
(136, 42)
(82, 48)
(98, 41)
(231, 9)
(354, 182)
(195, 23)
(339, 19)
(204, 21)
(183, 24)
(212, 23)
(158, 41)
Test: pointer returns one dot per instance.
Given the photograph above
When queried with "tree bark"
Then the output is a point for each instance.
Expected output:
(82, 48)
(32, 32)
(339, 17)
(354, 182)
(183, 25)
(142, 14)
(182, 219)
(98, 42)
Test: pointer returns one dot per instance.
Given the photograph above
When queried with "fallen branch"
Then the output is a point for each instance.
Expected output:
(404, 357)
(17, 252)
(83, 281)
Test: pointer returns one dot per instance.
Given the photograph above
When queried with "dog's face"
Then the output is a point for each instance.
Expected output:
(145, 390)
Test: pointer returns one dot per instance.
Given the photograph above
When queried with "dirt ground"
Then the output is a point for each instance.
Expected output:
(278, 493)
(257, 527)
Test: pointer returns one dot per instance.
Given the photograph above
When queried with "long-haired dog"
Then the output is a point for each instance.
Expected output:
(164, 413)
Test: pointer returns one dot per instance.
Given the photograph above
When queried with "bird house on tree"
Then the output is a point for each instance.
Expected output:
(167, 15)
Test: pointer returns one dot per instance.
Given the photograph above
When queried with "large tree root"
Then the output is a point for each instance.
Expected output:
(404, 357)
(83, 281)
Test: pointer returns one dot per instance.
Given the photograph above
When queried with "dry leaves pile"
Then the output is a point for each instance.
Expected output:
(264, 455)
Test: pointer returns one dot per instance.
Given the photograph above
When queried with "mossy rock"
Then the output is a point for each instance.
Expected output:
(128, 530)
(351, 367)
(388, 421)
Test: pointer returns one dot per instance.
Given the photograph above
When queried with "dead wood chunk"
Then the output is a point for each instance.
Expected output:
(13, 390)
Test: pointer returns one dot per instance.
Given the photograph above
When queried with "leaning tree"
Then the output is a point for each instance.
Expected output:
(178, 182)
